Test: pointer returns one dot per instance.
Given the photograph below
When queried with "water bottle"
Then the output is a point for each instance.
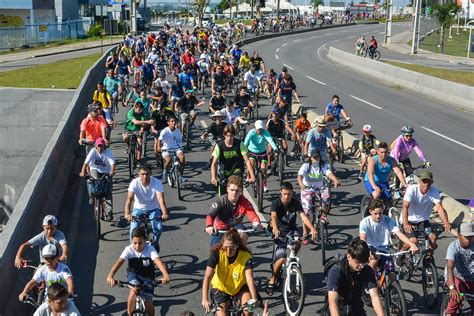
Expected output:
(427, 231)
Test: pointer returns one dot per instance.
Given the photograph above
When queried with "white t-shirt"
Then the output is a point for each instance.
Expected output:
(313, 176)
(148, 252)
(59, 275)
(420, 205)
(146, 198)
(41, 240)
(171, 139)
(378, 233)
(230, 117)
(45, 310)
(101, 162)
(251, 80)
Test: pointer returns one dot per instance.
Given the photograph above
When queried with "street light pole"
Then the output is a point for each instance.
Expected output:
(416, 28)
(469, 41)
(133, 16)
(388, 22)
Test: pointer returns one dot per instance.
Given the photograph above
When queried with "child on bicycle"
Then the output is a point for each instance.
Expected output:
(140, 255)
(367, 145)
(57, 303)
(459, 272)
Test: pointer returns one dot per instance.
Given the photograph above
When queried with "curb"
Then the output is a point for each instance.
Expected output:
(457, 212)
(431, 87)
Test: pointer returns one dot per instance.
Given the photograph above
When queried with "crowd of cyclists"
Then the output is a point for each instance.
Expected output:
(244, 145)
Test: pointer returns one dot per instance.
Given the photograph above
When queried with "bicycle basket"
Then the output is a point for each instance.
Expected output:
(98, 187)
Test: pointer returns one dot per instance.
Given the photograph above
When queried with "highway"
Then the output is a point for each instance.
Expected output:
(184, 245)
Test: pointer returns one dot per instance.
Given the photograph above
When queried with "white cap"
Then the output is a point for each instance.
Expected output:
(49, 250)
(259, 124)
(203, 56)
(367, 128)
(147, 60)
(50, 220)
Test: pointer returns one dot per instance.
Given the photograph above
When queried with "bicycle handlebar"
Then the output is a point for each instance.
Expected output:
(120, 283)
(241, 231)
(145, 219)
(393, 254)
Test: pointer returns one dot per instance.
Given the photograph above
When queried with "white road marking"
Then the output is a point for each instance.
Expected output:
(448, 138)
(353, 36)
(366, 102)
(297, 40)
(313, 36)
(255, 207)
(315, 80)
(288, 67)
(276, 56)
(283, 45)
(278, 49)
(381, 33)
(204, 124)
(335, 41)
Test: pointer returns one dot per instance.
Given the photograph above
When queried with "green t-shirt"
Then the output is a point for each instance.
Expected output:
(131, 115)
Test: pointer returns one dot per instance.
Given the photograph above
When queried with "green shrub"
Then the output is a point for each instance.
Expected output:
(122, 27)
(95, 31)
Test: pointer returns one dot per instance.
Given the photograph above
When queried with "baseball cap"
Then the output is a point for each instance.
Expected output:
(50, 220)
(147, 60)
(259, 124)
(100, 141)
(467, 229)
(92, 107)
(49, 251)
(426, 175)
(284, 69)
(367, 128)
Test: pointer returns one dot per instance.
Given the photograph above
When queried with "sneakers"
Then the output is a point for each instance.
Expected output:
(109, 216)
(265, 188)
(305, 242)
(361, 175)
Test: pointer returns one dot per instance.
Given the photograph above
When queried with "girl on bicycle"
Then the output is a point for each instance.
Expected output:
(230, 271)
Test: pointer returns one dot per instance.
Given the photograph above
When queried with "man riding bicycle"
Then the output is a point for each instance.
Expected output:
(171, 139)
(333, 113)
(112, 83)
(135, 123)
(277, 128)
(228, 211)
(373, 45)
(93, 126)
(286, 90)
(319, 138)
(367, 145)
(215, 130)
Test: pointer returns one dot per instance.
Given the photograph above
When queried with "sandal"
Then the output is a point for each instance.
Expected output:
(270, 289)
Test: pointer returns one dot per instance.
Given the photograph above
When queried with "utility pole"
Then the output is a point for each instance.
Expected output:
(133, 16)
(388, 22)
(144, 9)
(416, 28)
(278, 9)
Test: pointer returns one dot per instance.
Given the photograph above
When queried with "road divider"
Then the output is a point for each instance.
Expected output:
(431, 87)
(457, 212)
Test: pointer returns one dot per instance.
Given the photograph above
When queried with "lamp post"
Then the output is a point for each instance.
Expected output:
(388, 22)
(470, 38)
(451, 13)
(416, 28)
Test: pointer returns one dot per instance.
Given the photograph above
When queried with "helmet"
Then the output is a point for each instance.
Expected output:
(367, 128)
(184, 67)
(408, 129)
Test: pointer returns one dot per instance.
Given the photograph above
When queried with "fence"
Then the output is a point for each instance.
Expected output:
(428, 25)
(36, 34)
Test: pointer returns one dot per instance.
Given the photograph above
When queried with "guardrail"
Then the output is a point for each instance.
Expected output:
(43, 193)
(431, 87)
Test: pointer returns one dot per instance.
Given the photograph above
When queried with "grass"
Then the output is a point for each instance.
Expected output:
(244, 21)
(456, 46)
(63, 74)
(463, 77)
(59, 43)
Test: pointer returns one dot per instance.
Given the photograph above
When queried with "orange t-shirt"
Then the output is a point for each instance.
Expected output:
(93, 128)
(300, 127)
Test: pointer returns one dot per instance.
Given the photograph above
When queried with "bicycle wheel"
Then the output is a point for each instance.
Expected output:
(293, 293)
(364, 206)
(395, 302)
(444, 304)
(340, 149)
(376, 55)
(281, 164)
(322, 240)
(130, 159)
(394, 214)
(187, 132)
(429, 277)
(98, 212)
(178, 184)
(260, 192)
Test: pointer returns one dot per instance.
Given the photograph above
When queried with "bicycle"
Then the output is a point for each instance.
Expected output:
(132, 153)
(291, 276)
(139, 299)
(257, 186)
(279, 161)
(185, 127)
(99, 189)
(39, 290)
(235, 308)
(88, 145)
(409, 174)
(375, 55)
(389, 287)
(396, 195)
(463, 310)
(145, 222)
(318, 220)
(173, 174)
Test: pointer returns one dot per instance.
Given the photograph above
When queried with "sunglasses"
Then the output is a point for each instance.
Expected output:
(229, 248)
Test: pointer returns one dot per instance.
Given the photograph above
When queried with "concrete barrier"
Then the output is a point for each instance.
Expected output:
(457, 212)
(431, 87)
(43, 192)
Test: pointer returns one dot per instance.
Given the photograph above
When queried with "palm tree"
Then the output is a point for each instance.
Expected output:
(316, 4)
(445, 14)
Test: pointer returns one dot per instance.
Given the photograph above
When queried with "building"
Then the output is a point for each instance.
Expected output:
(18, 13)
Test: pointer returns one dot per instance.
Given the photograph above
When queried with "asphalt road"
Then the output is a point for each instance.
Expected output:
(184, 245)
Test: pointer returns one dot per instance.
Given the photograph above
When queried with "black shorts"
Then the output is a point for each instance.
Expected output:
(418, 226)
(219, 297)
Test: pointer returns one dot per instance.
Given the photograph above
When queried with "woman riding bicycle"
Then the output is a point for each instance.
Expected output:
(229, 270)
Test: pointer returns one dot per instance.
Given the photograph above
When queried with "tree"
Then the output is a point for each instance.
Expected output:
(201, 6)
(316, 4)
(445, 14)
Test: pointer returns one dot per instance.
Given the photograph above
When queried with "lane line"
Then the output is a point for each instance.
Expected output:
(448, 138)
(313, 36)
(316, 80)
(204, 124)
(381, 33)
(283, 45)
(353, 36)
(278, 49)
(366, 102)
(276, 56)
(297, 40)
(335, 41)
(288, 67)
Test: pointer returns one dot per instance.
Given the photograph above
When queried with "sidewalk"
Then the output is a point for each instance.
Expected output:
(58, 50)
(399, 44)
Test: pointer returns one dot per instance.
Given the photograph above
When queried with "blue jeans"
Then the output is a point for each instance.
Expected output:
(156, 226)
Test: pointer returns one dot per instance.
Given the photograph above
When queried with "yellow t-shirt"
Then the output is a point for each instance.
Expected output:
(102, 97)
(245, 61)
(230, 278)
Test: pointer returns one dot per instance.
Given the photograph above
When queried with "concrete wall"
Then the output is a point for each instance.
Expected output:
(44, 191)
(431, 87)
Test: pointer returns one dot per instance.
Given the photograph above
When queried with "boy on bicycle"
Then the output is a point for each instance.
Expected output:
(57, 303)
(141, 271)
(460, 268)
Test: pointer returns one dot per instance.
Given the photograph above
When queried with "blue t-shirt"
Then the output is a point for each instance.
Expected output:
(177, 90)
(236, 53)
(148, 71)
(111, 84)
(334, 110)
(123, 67)
(258, 143)
(186, 80)
(318, 141)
